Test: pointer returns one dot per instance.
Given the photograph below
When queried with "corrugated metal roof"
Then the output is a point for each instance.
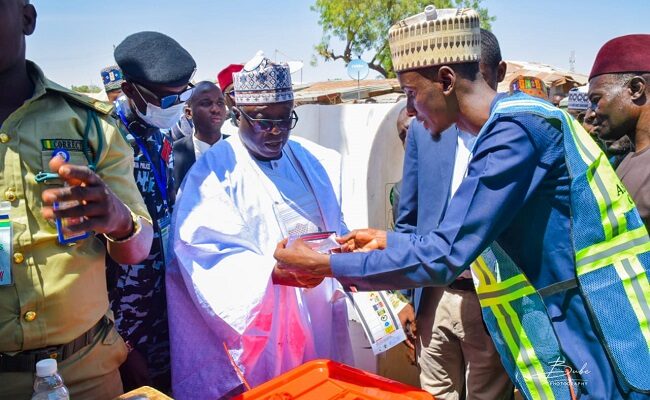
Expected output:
(551, 75)
(335, 92)
(388, 90)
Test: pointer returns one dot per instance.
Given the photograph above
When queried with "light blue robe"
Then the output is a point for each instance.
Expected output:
(219, 290)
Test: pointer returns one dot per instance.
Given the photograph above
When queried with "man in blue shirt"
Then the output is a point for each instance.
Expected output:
(516, 192)
(456, 355)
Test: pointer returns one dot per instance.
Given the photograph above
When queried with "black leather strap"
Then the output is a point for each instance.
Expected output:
(25, 361)
(462, 284)
(558, 287)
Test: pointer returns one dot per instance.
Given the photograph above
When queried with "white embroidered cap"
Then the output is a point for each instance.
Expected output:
(262, 81)
(435, 37)
(578, 99)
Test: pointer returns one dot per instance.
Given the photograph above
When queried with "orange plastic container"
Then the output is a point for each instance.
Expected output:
(329, 380)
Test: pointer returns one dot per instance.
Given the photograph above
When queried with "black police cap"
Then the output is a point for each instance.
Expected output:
(151, 57)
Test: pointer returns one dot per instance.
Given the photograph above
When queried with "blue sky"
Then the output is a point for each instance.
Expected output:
(74, 39)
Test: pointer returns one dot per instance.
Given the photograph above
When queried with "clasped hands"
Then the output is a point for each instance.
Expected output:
(298, 265)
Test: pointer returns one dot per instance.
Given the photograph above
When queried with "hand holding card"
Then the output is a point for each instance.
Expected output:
(307, 255)
(321, 242)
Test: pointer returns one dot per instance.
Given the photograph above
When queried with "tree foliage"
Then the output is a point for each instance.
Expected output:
(363, 26)
(86, 89)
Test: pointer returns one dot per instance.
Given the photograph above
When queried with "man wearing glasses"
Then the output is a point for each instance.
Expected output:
(228, 306)
(156, 72)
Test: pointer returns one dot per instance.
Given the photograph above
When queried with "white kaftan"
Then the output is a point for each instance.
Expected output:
(219, 291)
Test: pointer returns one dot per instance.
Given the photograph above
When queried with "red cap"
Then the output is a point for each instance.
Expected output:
(225, 76)
(630, 53)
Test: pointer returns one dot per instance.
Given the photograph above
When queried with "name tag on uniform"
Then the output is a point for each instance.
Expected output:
(5, 244)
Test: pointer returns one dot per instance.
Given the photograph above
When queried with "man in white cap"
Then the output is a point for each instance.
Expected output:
(456, 356)
(578, 102)
(562, 265)
(228, 308)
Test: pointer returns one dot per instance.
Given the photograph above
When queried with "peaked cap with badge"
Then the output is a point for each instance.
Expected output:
(112, 78)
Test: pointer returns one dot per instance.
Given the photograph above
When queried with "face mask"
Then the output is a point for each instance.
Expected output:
(162, 119)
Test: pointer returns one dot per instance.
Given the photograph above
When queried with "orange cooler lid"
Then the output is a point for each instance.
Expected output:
(325, 379)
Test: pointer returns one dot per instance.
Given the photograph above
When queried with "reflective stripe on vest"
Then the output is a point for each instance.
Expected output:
(612, 251)
(531, 360)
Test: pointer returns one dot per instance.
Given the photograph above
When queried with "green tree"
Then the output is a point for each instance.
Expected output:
(86, 89)
(363, 26)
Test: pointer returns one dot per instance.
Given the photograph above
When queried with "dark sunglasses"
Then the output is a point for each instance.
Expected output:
(267, 125)
(169, 100)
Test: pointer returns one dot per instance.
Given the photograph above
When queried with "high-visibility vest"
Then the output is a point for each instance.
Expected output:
(612, 260)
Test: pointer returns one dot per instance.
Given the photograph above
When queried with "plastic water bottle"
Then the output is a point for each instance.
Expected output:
(48, 384)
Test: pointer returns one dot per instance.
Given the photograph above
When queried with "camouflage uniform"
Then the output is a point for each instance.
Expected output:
(137, 292)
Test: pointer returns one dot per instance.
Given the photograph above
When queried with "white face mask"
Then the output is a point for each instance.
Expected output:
(162, 119)
(158, 117)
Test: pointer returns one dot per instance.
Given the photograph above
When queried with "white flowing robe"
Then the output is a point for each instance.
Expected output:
(219, 289)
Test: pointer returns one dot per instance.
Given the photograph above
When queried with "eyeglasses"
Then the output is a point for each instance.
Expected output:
(267, 125)
(169, 100)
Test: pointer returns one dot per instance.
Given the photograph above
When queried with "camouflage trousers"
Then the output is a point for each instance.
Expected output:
(139, 303)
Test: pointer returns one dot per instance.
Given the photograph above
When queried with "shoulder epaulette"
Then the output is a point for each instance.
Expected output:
(85, 101)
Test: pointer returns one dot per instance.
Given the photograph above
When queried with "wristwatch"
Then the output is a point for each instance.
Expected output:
(137, 227)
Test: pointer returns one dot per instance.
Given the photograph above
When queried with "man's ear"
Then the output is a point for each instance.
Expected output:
(188, 112)
(447, 77)
(134, 96)
(501, 71)
(127, 89)
(29, 19)
(637, 87)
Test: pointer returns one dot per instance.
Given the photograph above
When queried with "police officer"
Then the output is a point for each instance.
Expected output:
(156, 72)
(53, 301)
(112, 79)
